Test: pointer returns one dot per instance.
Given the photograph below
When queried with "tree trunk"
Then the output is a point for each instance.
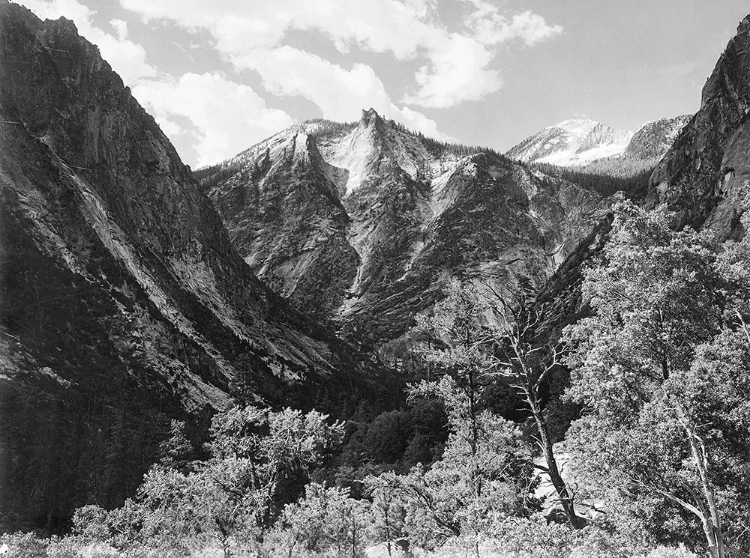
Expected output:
(712, 520)
(710, 517)
(563, 492)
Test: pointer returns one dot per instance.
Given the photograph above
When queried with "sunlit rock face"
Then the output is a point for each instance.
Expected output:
(655, 138)
(122, 300)
(362, 224)
(705, 175)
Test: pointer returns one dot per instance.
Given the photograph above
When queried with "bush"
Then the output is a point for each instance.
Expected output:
(23, 545)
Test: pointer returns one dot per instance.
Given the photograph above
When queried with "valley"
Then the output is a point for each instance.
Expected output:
(351, 337)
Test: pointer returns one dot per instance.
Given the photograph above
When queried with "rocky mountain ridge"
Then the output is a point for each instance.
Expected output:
(361, 226)
(571, 142)
(653, 139)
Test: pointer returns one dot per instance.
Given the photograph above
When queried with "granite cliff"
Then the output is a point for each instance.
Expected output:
(122, 301)
(705, 175)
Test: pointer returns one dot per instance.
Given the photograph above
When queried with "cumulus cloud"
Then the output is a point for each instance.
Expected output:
(340, 93)
(239, 26)
(126, 57)
(456, 72)
(490, 27)
(454, 63)
(457, 65)
(226, 116)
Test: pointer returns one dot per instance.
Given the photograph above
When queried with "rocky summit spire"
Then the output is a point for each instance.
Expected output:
(369, 115)
(394, 214)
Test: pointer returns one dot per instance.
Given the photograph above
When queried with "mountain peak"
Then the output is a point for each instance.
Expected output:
(370, 115)
(575, 124)
(572, 142)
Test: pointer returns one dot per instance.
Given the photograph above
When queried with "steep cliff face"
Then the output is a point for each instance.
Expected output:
(122, 301)
(362, 224)
(288, 218)
(705, 175)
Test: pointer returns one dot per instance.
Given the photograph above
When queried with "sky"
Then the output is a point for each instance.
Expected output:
(222, 75)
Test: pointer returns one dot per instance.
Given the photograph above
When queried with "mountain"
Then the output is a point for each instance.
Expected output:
(598, 148)
(122, 301)
(655, 138)
(704, 176)
(362, 224)
(572, 142)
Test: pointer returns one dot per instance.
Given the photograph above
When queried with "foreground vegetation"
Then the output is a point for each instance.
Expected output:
(658, 450)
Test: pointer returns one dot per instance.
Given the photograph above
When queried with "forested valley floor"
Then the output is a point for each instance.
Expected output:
(643, 445)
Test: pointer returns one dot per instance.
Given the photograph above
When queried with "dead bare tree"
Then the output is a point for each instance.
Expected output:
(527, 365)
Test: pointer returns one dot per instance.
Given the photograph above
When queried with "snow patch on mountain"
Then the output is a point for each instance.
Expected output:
(581, 142)
(572, 142)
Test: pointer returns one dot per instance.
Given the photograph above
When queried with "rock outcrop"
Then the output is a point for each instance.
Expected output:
(654, 139)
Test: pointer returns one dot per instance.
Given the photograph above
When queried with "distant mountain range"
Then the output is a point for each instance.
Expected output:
(582, 142)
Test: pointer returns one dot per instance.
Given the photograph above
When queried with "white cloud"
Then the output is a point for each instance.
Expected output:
(456, 64)
(127, 58)
(339, 93)
(240, 25)
(490, 27)
(457, 72)
(226, 117)
(530, 28)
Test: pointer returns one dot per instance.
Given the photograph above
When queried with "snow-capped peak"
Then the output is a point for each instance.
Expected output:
(572, 142)
(579, 142)
(575, 125)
